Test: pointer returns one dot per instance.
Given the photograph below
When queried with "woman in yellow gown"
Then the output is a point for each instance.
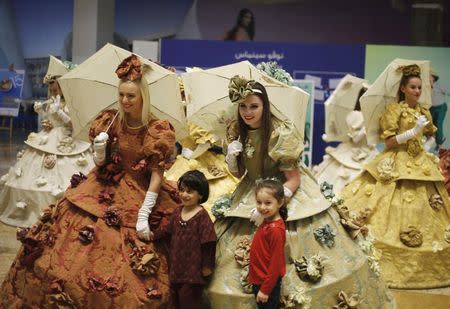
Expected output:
(402, 194)
(196, 155)
(324, 266)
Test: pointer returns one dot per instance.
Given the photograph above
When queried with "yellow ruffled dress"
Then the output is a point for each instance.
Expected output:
(221, 181)
(346, 276)
(407, 206)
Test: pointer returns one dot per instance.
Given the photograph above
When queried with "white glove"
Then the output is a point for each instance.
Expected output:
(37, 106)
(63, 116)
(100, 142)
(256, 217)
(430, 144)
(421, 123)
(233, 150)
(142, 226)
(54, 107)
(325, 138)
(357, 136)
(287, 192)
(186, 152)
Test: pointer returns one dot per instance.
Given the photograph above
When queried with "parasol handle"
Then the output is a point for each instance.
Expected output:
(110, 124)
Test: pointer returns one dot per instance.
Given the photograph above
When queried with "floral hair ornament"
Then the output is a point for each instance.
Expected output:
(409, 70)
(130, 68)
(274, 70)
(239, 88)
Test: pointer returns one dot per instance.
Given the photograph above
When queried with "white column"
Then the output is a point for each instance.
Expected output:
(93, 27)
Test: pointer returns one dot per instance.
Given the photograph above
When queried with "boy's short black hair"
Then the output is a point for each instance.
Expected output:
(195, 180)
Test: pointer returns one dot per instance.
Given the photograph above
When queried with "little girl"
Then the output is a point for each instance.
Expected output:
(267, 261)
(193, 241)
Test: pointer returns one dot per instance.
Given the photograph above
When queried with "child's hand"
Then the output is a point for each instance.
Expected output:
(261, 297)
(206, 272)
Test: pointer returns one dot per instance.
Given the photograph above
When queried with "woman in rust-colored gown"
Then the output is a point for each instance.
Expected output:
(90, 249)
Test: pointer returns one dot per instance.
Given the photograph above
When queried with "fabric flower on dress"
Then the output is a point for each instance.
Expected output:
(373, 255)
(58, 298)
(22, 204)
(242, 252)
(112, 217)
(46, 125)
(239, 88)
(386, 169)
(247, 287)
(110, 174)
(18, 171)
(295, 299)
(249, 149)
(355, 224)
(144, 262)
(436, 202)
(112, 287)
(96, 283)
(49, 161)
(32, 250)
(309, 269)
(447, 234)
(86, 234)
(129, 68)
(411, 237)
(106, 197)
(154, 293)
(325, 235)
(76, 179)
(327, 190)
(221, 206)
(19, 155)
(413, 147)
(40, 181)
(21, 233)
(82, 161)
(436, 246)
(347, 302)
(66, 145)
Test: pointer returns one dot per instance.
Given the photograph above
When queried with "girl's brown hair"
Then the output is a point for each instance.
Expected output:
(277, 191)
(266, 127)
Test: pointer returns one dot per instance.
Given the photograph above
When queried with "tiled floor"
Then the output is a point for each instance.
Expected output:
(9, 245)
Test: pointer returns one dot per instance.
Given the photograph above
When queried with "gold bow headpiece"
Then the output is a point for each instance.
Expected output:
(409, 70)
(239, 88)
(130, 68)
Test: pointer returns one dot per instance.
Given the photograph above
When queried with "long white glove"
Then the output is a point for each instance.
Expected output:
(421, 123)
(55, 106)
(287, 192)
(358, 135)
(233, 150)
(142, 226)
(100, 142)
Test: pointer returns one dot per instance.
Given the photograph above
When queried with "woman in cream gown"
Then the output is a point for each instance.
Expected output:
(343, 163)
(43, 170)
(324, 266)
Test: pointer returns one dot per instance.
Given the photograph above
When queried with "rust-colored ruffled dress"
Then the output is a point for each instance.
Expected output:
(84, 252)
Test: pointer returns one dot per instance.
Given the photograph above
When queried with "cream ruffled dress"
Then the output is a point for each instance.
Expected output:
(43, 170)
(343, 163)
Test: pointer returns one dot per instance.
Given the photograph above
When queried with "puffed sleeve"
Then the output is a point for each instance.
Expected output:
(389, 120)
(159, 143)
(200, 135)
(285, 146)
(430, 129)
(101, 123)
